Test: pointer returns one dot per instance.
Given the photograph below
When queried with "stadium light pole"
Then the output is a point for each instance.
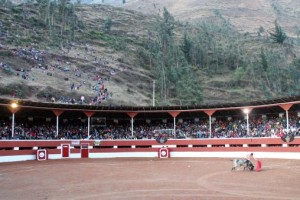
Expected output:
(209, 126)
(153, 94)
(174, 127)
(287, 121)
(89, 126)
(57, 124)
(246, 111)
(14, 106)
(57, 113)
(131, 126)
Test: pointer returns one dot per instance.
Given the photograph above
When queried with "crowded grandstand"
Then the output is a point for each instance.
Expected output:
(38, 122)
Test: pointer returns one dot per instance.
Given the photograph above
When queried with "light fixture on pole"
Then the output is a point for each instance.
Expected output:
(13, 108)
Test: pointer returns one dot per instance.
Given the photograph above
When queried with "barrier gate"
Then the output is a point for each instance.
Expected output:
(84, 148)
(65, 150)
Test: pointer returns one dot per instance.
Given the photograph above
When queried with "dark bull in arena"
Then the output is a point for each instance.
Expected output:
(238, 163)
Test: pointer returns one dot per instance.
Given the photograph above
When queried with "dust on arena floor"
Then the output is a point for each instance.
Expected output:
(148, 178)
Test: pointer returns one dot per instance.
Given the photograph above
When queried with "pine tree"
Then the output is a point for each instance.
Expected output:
(263, 60)
(107, 25)
(278, 35)
(186, 47)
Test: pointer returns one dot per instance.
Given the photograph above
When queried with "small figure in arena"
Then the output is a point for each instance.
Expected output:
(248, 161)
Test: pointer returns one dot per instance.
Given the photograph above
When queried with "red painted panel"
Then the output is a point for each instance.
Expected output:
(16, 152)
(75, 150)
(65, 151)
(31, 143)
(84, 150)
(127, 142)
(84, 153)
(54, 151)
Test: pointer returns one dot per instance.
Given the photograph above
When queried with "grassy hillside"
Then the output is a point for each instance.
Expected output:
(93, 52)
(246, 16)
(113, 55)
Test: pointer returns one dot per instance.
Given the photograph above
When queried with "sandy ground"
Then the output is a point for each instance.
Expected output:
(148, 178)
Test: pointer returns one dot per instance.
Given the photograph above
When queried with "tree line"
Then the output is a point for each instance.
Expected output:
(57, 18)
(214, 47)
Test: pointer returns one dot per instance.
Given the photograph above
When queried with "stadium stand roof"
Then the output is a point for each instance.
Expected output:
(264, 104)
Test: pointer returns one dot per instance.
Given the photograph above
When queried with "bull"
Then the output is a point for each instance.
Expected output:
(246, 164)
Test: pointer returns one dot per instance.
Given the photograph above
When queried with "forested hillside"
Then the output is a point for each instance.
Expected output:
(58, 51)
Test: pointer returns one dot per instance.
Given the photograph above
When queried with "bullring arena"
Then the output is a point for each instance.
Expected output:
(148, 178)
(147, 168)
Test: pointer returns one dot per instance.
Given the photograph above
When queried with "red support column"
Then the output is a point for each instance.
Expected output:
(210, 113)
(174, 114)
(57, 114)
(89, 114)
(286, 107)
(132, 115)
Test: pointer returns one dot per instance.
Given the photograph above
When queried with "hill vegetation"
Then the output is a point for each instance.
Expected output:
(59, 51)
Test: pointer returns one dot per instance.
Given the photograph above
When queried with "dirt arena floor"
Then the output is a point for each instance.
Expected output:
(148, 178)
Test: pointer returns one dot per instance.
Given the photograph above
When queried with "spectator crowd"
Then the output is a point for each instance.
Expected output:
(94, 80)
(271, 126)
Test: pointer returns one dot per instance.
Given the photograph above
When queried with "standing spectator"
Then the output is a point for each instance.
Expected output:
(72, 86)
(82, 99)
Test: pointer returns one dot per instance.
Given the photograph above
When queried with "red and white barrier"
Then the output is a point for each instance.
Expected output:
(18, 150)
